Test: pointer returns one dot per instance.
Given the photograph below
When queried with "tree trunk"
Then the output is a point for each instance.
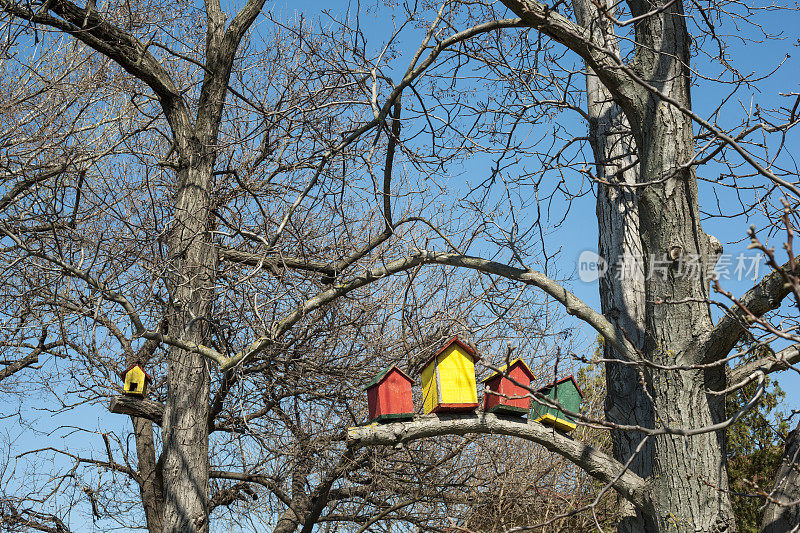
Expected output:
(689, 476)
(779, 517)
(186, 467)
(622, 287)
(289, 520)
(621, 299)
(151, 487)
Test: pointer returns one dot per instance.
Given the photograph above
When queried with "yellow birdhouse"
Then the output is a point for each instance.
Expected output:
(448, 379)
(136, 380)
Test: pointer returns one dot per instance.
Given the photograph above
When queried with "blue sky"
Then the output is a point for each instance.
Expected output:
(756, 55)
(579, 231)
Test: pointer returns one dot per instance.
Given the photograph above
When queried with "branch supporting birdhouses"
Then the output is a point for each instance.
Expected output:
(136, 406)
(599, 465)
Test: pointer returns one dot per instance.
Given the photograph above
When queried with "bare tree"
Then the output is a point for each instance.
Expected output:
(234, 231)
(662, 327)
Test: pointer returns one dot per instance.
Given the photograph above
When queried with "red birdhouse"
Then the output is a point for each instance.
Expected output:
(504, 395)
(389, 396)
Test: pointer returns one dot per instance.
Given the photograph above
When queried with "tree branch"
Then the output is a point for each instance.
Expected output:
(781, 360)
(765, 296)
(573, 305)
(28, 518)
(320, 498)
(27, 183)
(141, 407)
(30, 359)
(540, 17)
(271, 483)
(595, 463)
(273, 262)
(111, 41)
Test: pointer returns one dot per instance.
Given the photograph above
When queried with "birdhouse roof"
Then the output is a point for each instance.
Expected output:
(383, 374)
(507, 367)
(561, 382)
(147, 376)
(454, 340)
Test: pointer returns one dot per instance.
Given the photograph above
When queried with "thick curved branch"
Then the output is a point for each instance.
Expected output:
(118, 45)
(271, 483)
(30, 359)
(573, 305)
(27, 183)
(23, 362)
(30, 519)
(540, 17)
(595, 463)
(765, 296)
(274, 262)
(781, 360)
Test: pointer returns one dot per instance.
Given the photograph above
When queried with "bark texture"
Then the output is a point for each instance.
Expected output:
(659, 309)
(782, 512)
(193, 260)
(622, 288)
(151, 483)
(186, 467)
(689, 477)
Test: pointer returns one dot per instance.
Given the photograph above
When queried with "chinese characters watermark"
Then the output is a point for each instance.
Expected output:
(739, 267)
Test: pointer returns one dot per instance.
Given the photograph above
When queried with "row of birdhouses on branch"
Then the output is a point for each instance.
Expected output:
(448, 386)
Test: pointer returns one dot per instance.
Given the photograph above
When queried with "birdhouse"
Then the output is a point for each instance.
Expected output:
(507, 389)
(567, 393)
(136, 380)
(389, 396)
(448, 379)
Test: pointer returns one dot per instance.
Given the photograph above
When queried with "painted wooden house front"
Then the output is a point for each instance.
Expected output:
(389, 396)
(567, 393)
(135, 380)
(507, 395)
(448, 380)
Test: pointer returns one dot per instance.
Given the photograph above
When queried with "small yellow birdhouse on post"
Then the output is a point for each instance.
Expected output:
(136, 380)
(448, 380)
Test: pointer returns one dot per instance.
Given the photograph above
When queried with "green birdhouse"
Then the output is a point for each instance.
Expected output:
(567, 393)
